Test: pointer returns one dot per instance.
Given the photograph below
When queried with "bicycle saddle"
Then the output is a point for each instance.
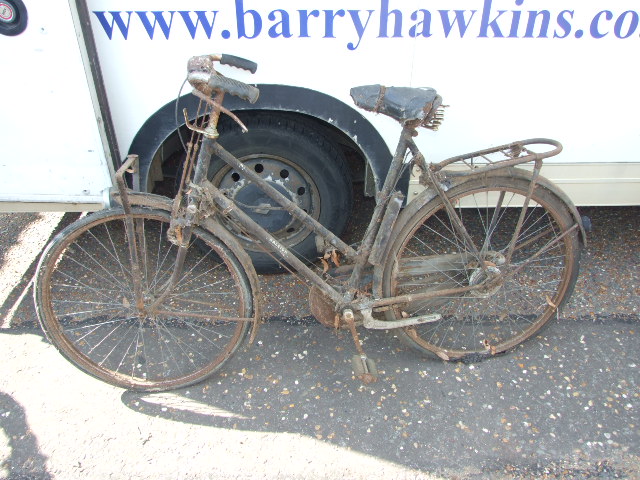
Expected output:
(404, 104)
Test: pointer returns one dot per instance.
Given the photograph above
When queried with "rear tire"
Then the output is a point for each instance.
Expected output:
(429, 255)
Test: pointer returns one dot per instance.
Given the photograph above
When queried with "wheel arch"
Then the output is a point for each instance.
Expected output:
(330, 113)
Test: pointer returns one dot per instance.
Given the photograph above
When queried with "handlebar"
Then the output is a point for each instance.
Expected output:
(238, 62)
(203, 77)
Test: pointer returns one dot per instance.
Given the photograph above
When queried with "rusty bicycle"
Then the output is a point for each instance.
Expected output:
(154, 294)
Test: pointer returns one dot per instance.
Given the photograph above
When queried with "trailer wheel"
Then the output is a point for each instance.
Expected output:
(301, 163)
(13, 17)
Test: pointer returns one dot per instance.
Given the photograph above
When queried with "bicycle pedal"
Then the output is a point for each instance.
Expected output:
(364, 368)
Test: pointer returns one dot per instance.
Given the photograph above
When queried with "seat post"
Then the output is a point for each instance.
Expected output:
(382, 199)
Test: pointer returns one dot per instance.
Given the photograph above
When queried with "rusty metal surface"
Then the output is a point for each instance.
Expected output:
(482, 162)
(386, 227)
(323, 309)
(338, 302)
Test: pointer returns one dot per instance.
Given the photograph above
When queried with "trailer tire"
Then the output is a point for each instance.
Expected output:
(297, 159)
(15, 18)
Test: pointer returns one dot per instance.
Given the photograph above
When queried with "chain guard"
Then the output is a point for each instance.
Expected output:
(323, 309)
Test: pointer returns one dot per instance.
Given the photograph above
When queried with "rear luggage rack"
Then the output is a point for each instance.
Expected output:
(509, 155)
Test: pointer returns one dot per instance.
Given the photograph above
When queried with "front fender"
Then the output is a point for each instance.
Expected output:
(158, 202)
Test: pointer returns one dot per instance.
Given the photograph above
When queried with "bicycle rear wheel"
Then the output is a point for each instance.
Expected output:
(87, 307)
(430, 254)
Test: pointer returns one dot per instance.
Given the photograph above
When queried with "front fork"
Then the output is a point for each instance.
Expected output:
(183, 220)
(180, 231)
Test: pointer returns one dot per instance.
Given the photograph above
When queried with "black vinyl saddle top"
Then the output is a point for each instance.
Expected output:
(403, 104)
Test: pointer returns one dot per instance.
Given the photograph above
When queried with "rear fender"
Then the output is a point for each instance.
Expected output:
(554, 189)
(429, 194)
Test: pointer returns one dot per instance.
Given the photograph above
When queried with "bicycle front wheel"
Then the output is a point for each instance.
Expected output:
(88, 309)
(537, 270)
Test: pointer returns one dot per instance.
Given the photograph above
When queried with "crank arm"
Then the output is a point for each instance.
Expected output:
(373, 324)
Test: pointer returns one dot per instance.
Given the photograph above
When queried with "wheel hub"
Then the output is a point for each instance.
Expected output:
(485, 278)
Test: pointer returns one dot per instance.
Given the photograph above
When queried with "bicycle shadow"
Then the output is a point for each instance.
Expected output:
(297, 379)
(516, 413)
(425, 415)
(25, 460)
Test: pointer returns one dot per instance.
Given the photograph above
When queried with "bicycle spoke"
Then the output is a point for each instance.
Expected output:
(90, 313)
(512, 299)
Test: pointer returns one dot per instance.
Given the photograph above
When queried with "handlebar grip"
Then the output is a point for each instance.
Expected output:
(234, 87)
(238, 62)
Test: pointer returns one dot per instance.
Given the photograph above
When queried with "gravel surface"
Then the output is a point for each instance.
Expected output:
(564, 405)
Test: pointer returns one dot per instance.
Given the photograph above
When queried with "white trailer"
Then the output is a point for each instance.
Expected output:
(86, 82)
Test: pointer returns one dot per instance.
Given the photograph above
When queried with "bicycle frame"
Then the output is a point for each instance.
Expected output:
(360, 257)
(204, 196)
(478, 281)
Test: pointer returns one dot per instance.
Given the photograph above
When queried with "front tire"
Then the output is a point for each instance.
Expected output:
(86, 305)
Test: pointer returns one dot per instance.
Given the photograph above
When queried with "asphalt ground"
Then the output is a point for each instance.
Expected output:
(566, 404)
